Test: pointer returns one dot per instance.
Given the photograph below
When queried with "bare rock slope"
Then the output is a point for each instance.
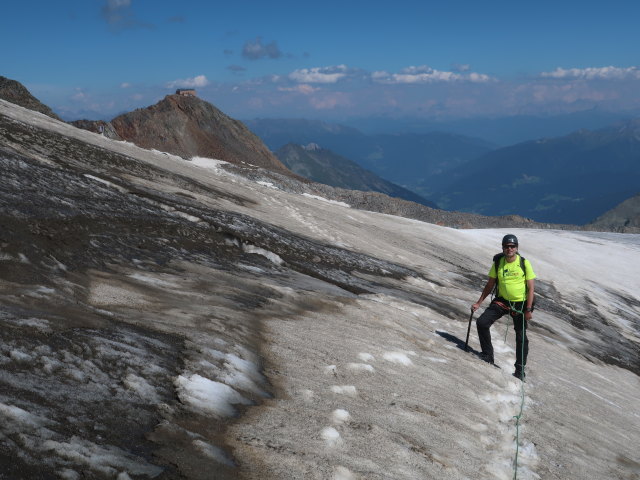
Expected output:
(624, 218)
(14, 92)
(190, 127)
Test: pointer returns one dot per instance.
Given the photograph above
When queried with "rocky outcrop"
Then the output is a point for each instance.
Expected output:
(624, 218)
(191, 127)
(14, 92)
(97, 126)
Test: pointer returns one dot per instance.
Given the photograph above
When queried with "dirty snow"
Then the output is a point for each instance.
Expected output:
(368, 386)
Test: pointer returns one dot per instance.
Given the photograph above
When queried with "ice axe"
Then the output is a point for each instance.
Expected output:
(466, 342)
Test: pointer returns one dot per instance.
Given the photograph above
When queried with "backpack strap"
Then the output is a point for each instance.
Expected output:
(496, 262)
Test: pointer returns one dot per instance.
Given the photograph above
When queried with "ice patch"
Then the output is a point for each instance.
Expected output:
(68, 474)
(108, 460)
(274, 258)
(45, 290)
(437, 360)
(213, 452)
(502, 347)
(167, 154)
(348, 390)
(331, 436)
(107, 183)
(153, 280)
(37, 323)
(504, 404)
(243, 374)
(208, 163)
(340, 416)
(267, 184)
(316, 197)
(343, 473)
(527, 460)
(204, 394)
(20, 356)
(16, 419)
(366, 357)
(398, 357)
(422, 283)
(140, 386)
(360, 367)
(250, 268)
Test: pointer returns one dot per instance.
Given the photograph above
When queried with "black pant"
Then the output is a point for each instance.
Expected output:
(493, 313)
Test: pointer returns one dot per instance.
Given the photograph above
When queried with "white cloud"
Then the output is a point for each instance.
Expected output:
(425, 74)
(125, 85)
(302, 88)
(330, 74)
(595, 73)
(198, 81)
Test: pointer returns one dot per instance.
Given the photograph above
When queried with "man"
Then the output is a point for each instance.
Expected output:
(515, 296)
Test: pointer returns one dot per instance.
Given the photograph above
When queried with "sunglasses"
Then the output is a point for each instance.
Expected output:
(504, 247)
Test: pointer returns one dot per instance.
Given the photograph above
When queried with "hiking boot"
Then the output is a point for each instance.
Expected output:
(519, 375)
(486, 357)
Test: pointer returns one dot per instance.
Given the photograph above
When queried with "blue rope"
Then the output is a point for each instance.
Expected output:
(519, 415)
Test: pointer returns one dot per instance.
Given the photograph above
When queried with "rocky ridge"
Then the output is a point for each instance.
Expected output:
(624, 218)
(14, 92)
(190, 127)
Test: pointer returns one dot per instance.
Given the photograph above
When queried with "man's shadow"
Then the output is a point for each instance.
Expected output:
(457, 342)
(460, 344)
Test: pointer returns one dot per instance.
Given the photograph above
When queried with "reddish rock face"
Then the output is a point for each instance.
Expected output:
(190, 127)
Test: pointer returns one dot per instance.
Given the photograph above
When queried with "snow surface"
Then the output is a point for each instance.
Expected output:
(399, 399)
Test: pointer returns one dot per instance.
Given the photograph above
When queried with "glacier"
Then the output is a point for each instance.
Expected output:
(173, 318)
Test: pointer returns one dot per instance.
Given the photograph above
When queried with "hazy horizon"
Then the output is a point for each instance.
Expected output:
(332, 61)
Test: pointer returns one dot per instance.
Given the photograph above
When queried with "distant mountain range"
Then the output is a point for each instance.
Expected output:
(324, 166)
(417, 162)
(501, 131)
(566, 180)
(570, 179)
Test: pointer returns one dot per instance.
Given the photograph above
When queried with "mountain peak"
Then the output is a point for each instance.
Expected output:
(191, 127)
(14, 92)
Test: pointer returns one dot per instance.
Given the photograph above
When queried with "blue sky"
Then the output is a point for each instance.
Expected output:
(329, 60)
